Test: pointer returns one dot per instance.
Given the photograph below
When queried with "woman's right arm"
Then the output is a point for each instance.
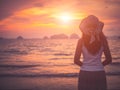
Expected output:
(78, 53)
(108, 58)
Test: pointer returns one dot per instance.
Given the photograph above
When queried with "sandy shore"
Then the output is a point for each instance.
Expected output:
(46, 83)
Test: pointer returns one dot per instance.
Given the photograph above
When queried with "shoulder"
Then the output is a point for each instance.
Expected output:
(105, 42)
(103, 39)
(80, 41)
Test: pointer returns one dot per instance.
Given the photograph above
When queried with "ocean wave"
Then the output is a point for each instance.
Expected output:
(60, 58)
(116, 58)
(62, 54)
(46, 50)
(14, 51)
(113, 73)
(18, 66)
(41, 75)
(115, 63)
(53, 75)
(113, 37)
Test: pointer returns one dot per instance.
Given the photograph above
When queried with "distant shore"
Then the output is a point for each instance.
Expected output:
(53, 37)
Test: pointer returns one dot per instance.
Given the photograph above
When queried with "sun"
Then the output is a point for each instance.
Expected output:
(64, 17)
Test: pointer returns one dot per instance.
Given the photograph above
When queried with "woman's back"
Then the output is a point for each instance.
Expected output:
(91, 62)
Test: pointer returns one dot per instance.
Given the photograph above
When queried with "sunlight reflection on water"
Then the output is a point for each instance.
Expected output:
(34, 57)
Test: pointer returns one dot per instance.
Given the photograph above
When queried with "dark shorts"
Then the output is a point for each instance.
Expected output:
(92, 80)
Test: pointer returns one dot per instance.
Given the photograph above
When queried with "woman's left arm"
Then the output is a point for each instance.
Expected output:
(78, 53)
(108, 57)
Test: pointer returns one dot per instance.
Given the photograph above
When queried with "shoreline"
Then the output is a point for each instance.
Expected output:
(49, 83)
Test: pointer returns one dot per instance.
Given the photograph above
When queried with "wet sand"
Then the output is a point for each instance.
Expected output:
(47, 83)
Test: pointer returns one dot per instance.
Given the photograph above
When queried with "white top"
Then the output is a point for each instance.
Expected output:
(92, 62)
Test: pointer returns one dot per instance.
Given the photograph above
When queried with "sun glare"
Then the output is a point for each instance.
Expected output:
(64, 17)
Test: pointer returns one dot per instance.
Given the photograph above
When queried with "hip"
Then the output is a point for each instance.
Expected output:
(92, 68)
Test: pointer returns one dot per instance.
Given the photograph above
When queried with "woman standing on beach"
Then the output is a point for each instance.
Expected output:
(92, 44)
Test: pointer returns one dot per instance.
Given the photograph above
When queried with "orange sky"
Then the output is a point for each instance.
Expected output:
(37, 18)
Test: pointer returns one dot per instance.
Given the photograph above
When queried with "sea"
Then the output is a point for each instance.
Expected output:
(48, 57)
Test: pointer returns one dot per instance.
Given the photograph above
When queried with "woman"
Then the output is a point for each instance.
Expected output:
(92, 44)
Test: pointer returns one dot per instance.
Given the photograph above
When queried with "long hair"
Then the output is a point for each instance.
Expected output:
(94, 47)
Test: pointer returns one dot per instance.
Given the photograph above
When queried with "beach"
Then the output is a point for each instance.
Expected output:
(54, 83)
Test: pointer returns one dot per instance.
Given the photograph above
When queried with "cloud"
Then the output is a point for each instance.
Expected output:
(28, 15)
(8, 7)
(112, 2)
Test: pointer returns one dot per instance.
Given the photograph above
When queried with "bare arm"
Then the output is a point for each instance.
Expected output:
(78, 53)
(108, 58)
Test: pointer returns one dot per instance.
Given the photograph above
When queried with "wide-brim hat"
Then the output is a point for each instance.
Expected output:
(91, 20)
